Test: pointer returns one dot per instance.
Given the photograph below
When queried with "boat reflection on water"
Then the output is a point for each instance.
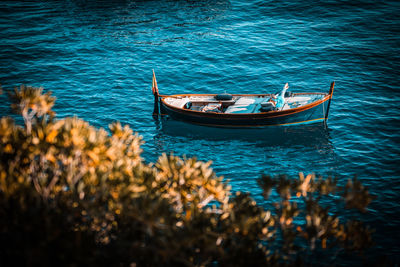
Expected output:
(243, 155)
(305, 135)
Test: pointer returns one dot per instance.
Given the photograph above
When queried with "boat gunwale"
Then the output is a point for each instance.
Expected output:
(259, 115)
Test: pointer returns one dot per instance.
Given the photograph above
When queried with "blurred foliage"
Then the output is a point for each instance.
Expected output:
(72, 194)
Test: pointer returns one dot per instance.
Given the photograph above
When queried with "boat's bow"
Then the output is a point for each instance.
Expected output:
(154, 88)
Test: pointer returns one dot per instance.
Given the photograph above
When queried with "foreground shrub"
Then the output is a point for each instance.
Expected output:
(73, 194)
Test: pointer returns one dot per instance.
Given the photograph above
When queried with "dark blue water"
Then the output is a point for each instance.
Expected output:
(97, 59)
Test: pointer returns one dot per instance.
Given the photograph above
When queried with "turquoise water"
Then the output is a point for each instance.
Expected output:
(97, 58)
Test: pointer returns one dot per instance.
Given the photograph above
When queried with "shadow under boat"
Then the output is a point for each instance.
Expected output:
(273, 135)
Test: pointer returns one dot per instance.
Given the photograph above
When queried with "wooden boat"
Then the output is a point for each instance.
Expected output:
(244, 110)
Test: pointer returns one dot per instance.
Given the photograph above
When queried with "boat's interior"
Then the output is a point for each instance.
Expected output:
(240, 104)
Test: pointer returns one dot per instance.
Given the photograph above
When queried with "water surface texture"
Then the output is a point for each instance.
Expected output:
(97, 58)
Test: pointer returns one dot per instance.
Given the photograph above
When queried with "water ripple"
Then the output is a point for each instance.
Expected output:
(97, 56)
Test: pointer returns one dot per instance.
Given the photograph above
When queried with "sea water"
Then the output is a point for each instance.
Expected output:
(97, 58)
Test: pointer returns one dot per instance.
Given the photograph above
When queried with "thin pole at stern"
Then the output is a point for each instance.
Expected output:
(329, 102)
